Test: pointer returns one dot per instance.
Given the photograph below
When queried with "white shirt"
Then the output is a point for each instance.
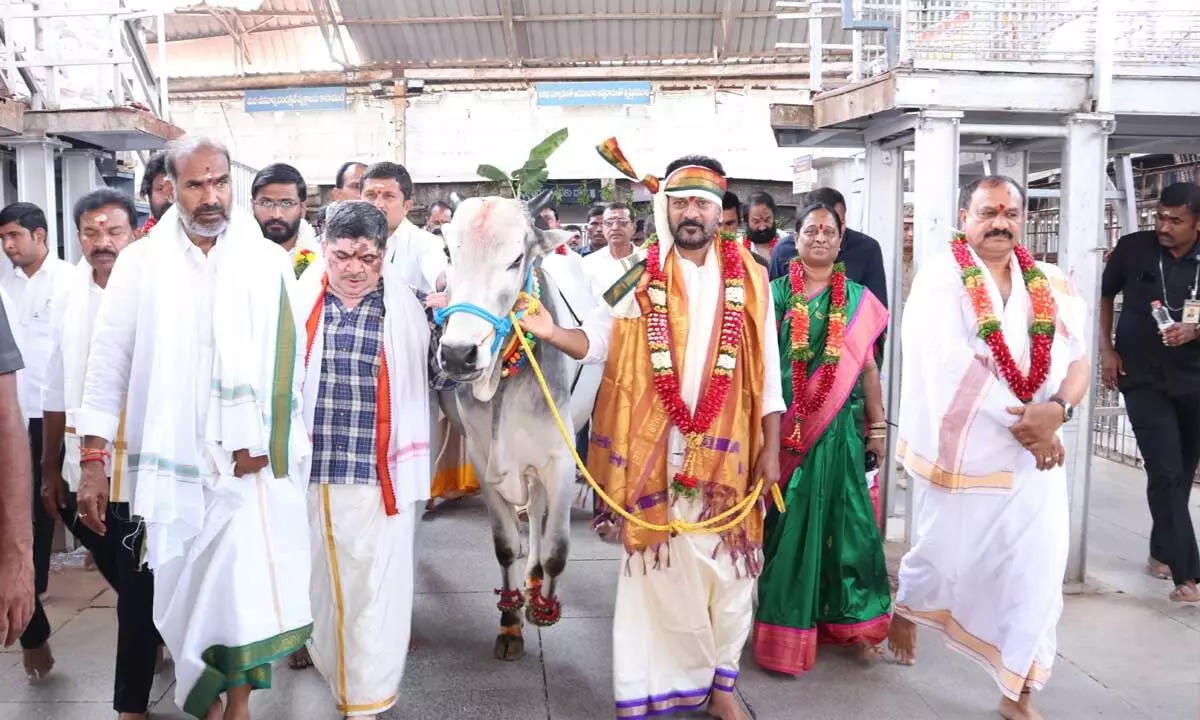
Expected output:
(54, 389)
(33, 299)
(603, 270)
(705, 291)
(415, 258)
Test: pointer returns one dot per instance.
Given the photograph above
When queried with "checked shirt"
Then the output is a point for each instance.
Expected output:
(344, 423)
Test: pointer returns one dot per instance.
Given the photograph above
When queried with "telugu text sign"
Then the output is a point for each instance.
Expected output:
(579, 94)
(296, 99)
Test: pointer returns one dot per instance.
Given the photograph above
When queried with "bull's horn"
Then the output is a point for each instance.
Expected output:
(455, 200)
(539, 202)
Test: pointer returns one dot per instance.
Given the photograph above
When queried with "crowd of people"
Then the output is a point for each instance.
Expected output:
(233, 413)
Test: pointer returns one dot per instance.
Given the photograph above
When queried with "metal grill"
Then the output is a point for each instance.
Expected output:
(874, 51)
(1001, 30)
(1159, 32)
(1113, 437)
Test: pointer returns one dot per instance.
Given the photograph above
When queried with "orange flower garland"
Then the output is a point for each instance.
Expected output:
(1041, 331)
(801, 351)
(666, 381)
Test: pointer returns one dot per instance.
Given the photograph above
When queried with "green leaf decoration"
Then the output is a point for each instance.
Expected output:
(493, 173)
(543, 150)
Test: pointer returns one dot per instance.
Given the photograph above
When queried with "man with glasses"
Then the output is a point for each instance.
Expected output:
(280, 196)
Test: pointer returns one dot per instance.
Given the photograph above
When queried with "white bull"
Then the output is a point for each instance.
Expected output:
(513, 442)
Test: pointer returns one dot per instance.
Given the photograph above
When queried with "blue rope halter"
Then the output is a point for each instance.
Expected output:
(501, 325)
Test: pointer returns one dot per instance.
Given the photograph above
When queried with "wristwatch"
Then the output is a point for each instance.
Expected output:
(1068, 408)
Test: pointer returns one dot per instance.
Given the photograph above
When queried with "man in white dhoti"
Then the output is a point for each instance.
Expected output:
(197, 345)
(683, 443)
(1001, 363)
(104, 219)
(366, 402)
(280, 198)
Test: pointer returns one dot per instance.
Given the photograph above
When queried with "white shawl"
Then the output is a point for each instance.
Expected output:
(202, 404)
(405, 348)
(954, 419)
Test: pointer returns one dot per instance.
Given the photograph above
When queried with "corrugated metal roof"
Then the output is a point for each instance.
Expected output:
(200, 21)
(566, 31)
(542, 32)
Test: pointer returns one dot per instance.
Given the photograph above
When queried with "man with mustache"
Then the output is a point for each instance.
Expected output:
(700, 403)
(156, 190)
(860, 252)
(279, 195)
(366, 401)
(1002, 362)
(347, 184)
(1157, 370)
(104, 221)
(35, 284)
(195, 364)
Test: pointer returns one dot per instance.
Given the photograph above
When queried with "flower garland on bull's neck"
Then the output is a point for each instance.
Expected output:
(1041, 331)
(801, 351)
(513, 358)
(666, 380)
(770, 246)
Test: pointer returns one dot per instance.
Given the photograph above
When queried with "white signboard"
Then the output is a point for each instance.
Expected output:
(804, 178)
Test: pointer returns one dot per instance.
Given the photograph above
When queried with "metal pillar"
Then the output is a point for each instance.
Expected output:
(883, 221)
(1127, 208)
(35, 182)
(935, 202)
(80, 176)
(1081, 252)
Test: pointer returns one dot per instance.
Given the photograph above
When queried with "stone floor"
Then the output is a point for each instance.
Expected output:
(1125, 652)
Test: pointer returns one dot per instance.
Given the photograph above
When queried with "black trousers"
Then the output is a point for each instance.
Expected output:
(1167, 428)
(117, 555)
(38, 630)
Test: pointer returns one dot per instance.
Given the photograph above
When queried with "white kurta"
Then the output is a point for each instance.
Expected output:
(990, 530)
(415, 258)
(679, 629)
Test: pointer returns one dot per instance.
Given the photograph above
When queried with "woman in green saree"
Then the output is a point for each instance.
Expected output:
(825, 580)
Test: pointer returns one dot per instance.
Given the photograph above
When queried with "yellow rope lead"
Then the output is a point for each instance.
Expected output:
(675, 527)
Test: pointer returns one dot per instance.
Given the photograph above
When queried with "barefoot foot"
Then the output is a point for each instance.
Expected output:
(869, 653)
(724, 705)
(1157, 569)
(1021, 710)
(215, 711)
(300, 660)
(1188, 593)
(38, 662)
(132, 716)
(902, 640)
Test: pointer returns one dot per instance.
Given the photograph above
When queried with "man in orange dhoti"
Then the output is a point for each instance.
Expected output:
(686, 425)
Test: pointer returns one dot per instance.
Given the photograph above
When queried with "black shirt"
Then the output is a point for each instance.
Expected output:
(860, 254)
(1133, 271)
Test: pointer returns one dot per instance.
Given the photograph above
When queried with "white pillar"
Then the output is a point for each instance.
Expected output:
(935, 200)
(1081, 251)
(35, 182)
(1013, 164)
(882, 221)
(80, 176)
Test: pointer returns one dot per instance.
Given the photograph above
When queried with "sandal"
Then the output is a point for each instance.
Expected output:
(1157, 569)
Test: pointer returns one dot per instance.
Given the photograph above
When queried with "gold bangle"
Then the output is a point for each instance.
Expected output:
(878, 426)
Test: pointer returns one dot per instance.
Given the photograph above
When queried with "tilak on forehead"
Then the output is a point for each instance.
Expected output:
(688, 181)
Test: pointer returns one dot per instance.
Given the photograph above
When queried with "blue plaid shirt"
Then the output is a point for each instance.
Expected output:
(344, 425)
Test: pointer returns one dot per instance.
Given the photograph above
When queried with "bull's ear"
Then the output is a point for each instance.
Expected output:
(545, 242)
(455, 201)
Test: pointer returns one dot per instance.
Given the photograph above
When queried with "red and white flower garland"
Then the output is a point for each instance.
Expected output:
(666, 380)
